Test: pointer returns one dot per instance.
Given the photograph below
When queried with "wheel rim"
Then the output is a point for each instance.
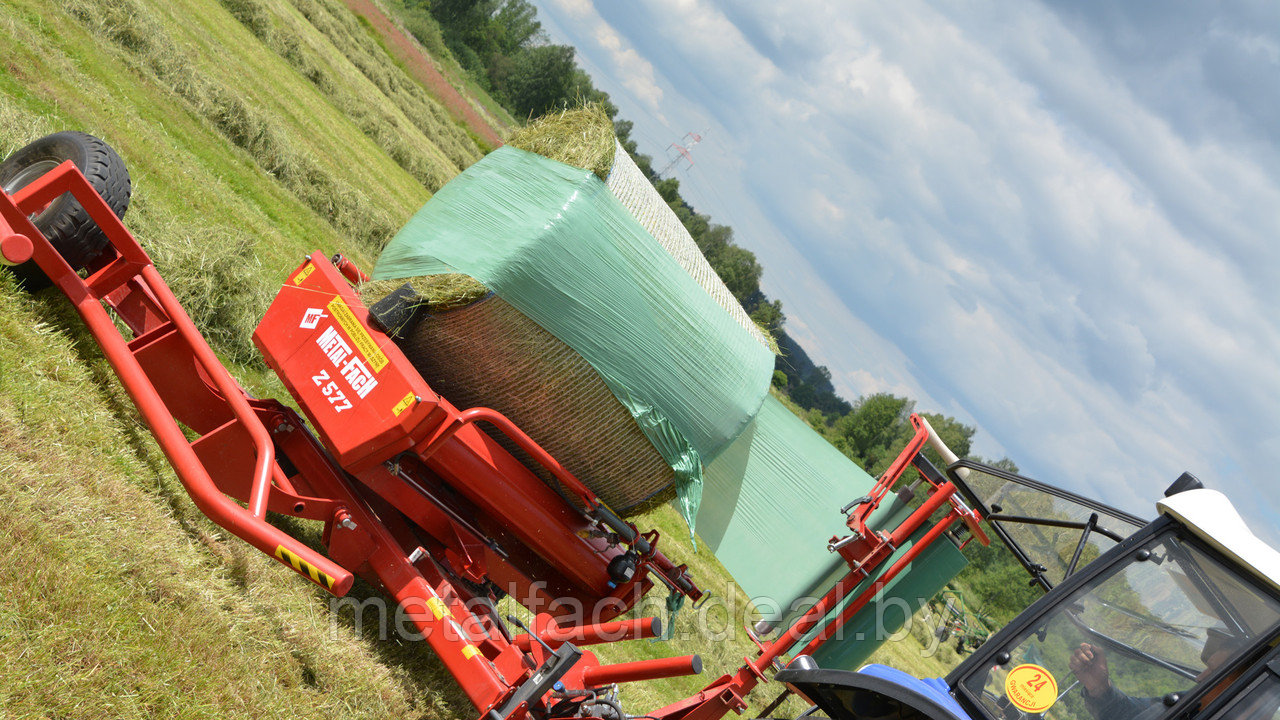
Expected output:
(28, 174)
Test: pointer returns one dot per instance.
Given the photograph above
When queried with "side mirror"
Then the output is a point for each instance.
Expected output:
(1186, 481)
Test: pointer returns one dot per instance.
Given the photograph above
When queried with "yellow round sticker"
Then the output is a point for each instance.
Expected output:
(1031, 688)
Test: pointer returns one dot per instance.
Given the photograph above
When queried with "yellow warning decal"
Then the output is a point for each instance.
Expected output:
(304, 567)
(470, 651)
(358, 334)
(438, 608)
(1031, 688)
(403, 405)
(304, 273)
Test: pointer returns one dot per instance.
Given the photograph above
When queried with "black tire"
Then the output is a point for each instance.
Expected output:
(65, 223)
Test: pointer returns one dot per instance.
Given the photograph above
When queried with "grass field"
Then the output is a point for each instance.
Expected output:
(121, 600)
(255, 131)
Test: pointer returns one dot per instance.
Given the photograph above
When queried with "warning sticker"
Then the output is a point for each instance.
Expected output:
(438, 608)
(403, 404)
(303, 274)
(358, 334)
(1031, 688)
(302, 566)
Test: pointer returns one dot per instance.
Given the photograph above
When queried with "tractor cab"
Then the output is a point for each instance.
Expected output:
(1176, 618)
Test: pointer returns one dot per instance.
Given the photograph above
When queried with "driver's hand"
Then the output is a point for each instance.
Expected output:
(1089, 663)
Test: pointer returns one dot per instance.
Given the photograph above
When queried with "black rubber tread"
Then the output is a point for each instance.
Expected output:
(65, 223)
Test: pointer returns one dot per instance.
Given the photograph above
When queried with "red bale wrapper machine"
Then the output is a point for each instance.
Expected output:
(415, 497)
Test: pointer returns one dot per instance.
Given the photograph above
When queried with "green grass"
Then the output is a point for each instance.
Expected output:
(255, 132)
(121, 600)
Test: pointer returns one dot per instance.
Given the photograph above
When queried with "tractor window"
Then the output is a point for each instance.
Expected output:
(1053, 532)
(1157, 623)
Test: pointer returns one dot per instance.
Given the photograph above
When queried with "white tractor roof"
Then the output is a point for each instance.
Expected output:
(1211, 517)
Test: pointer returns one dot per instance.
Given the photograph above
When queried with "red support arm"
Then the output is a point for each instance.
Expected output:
(642, 670)
(132, 264)
(638, 629)
(518, 436)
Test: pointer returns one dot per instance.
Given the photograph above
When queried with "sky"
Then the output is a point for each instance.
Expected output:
(1055, 221)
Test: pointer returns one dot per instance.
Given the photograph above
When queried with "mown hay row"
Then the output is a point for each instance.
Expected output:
(128, 23)
(212, 268)
(336, 22)
(360, 80)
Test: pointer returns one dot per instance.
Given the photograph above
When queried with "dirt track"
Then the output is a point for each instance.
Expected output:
(411, 54)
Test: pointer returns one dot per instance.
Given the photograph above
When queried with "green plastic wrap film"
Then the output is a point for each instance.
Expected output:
(888, 516)
(553, 242)
(771, 502)
(889, 611)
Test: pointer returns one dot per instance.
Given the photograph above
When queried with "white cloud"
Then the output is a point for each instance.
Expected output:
(994, 208)
(636, 72)
(577, 8)
(707, 34)
(827, 210)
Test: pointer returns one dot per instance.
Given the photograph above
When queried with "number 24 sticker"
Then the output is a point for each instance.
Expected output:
(1031, 688)
(330, 389)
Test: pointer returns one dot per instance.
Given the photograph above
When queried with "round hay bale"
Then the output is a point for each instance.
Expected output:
(488, 354)
(484, 352)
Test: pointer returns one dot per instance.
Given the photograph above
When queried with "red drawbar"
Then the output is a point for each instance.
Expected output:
(126, 281)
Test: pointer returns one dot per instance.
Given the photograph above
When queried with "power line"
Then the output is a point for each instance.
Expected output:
(682, 151)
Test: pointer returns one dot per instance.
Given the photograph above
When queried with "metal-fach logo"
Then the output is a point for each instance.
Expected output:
(350, 366)
(312, 318)
(333, 346)
(359, 377)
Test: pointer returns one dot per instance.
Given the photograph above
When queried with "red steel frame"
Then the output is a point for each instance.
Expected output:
(381, 518)
(865, 551)
(418, 501)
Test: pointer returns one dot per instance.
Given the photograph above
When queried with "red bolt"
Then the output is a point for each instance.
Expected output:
(343, 519)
